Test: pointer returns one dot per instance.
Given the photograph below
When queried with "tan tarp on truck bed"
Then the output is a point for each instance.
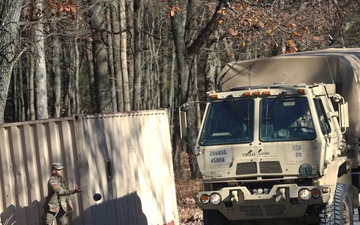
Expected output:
(339, 66)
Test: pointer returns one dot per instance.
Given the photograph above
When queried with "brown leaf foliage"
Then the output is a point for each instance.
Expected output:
(267, 26)
(189, 212)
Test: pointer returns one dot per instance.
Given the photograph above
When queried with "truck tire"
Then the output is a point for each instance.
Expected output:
(340, 212)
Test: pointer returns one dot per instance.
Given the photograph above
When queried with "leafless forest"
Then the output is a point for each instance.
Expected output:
(65, 57)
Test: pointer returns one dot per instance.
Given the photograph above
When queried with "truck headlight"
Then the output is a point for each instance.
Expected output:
(215, 199)
(204, 199)
(315, 193)
(304, 194)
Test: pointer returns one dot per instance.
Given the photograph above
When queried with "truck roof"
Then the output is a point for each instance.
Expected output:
(268, 86)
(339, 66)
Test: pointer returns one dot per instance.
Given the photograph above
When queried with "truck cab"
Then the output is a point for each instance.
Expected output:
(274, 151)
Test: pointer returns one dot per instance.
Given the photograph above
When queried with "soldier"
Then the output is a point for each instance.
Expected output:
(58, 204)
(304, 123)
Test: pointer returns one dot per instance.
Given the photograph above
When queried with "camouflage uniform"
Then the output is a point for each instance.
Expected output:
(57, 201)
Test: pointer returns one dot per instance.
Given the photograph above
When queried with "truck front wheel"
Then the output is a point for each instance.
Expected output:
(340, 212)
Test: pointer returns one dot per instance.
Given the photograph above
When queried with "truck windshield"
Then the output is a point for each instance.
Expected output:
(286, 118)
(228, 122)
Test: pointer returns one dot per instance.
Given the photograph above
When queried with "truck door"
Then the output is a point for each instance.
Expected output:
(325, 128)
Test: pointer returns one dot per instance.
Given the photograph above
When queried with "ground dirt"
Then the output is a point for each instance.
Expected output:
(188, 211)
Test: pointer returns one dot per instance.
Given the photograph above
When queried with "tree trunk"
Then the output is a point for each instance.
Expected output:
(40, 73)
(196, 91)
(57, 75)
(137, 55)
(164, 79)
(8, 47)
(91, 77)
(123, 56)
(172, 88)
(70, 51)
(149, 79)
(14, 110)
(77, 77)
(110, 36)
(67, 81)
(31, 87)
(155, 71)
(115, 19)
(101, 69)
(20, 98)
(185, 56)
(130, 47)
(213, 67)
(183, 82)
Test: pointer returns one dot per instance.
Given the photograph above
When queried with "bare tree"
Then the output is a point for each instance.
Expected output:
(249, 28)
(100, 56)
(116, 32)
(9, 50)
(123, 56)
(185, 53)
(40, 73)
(138, 15)
(57, 75)
(91, 75)
(31, 87)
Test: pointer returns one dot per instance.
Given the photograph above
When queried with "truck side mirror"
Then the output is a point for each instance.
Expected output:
(343, 112)
(343, 116)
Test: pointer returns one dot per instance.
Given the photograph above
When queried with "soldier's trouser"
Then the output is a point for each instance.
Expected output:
(61, 218)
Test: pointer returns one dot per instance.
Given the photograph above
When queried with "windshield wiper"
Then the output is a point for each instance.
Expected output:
(276, 105)
(232, 99)
(238, 107)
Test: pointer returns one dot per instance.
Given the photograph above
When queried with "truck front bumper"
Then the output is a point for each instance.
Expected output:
(285, 201)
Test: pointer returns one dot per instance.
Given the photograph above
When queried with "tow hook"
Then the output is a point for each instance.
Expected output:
(234, 197)
(280, 195)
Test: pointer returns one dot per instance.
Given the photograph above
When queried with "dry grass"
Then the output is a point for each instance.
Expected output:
(188, 211)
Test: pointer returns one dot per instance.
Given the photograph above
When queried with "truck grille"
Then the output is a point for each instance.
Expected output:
(257, 210)
(246, 168)
(270, 167)
(265, 167)
(251, 210)
(274, 210)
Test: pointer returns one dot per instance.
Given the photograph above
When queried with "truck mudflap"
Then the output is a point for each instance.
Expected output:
(286, 201)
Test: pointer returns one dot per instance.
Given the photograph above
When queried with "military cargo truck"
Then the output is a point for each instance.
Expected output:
(279, 140)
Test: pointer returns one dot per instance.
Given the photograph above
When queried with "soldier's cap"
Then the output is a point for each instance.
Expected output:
(57, 166)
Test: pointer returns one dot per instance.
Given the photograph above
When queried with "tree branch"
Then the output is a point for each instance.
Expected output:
(206, 32)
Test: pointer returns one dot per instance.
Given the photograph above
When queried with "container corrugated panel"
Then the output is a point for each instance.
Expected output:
(124, 157)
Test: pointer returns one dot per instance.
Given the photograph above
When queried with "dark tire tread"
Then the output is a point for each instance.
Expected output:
(333, 214)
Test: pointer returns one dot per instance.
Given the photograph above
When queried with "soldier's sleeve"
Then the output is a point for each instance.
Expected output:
(68, 201)
(57, 188)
